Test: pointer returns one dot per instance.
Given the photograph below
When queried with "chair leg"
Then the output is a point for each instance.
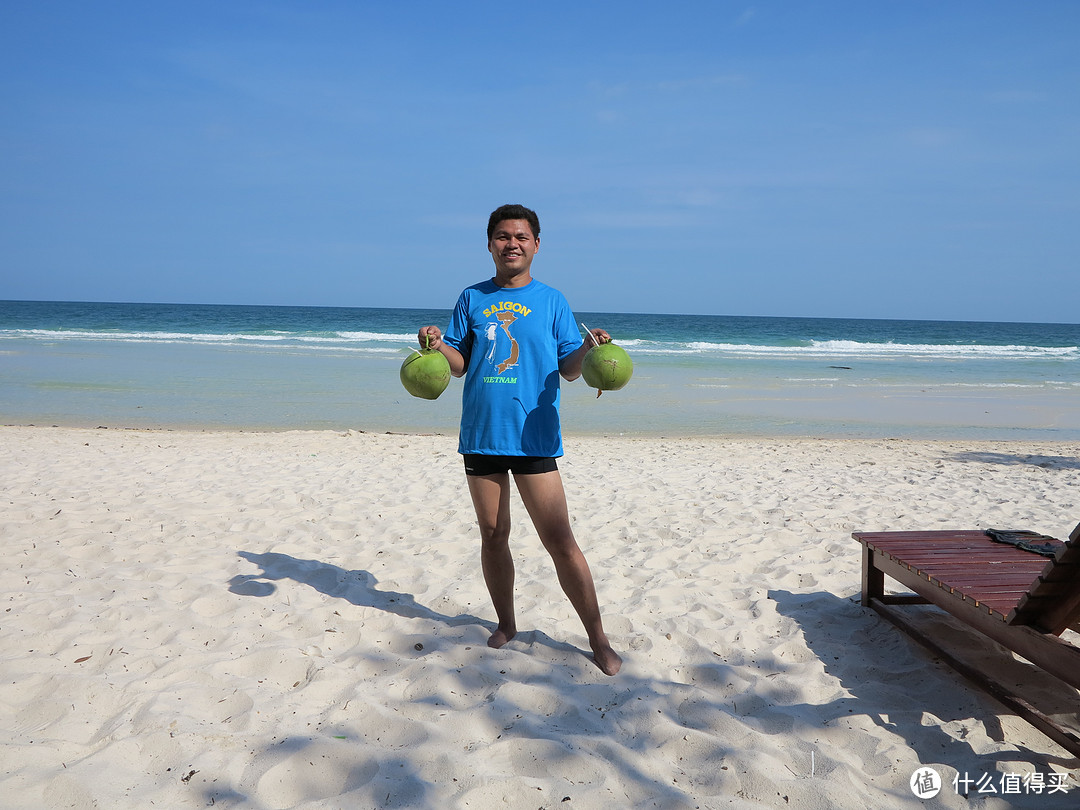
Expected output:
(873, 578)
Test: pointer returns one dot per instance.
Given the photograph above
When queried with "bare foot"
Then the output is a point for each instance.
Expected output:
(607, 659)
(500, 637)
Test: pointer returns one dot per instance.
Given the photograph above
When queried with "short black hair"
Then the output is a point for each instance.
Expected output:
(513, 211)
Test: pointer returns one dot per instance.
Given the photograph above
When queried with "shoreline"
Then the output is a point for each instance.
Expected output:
(298, 619)
(793, 432)
(1020, 450)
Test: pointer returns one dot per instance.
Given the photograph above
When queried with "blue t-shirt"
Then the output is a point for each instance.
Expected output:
(512, 339)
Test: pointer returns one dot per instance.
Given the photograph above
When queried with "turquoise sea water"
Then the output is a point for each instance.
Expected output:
(248, 367)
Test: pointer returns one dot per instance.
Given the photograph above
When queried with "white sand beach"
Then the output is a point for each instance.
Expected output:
(297, 620)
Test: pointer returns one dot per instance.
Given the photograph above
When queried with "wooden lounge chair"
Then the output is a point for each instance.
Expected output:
(1021, 600)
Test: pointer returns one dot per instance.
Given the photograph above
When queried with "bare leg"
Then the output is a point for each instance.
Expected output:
(491, 500)
(545, 500)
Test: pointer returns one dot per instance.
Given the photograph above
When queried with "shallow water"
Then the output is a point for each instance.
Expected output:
(309, 367)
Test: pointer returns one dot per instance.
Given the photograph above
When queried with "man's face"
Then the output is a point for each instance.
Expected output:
(513, 246)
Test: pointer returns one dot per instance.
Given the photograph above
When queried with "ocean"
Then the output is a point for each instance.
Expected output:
(279, 368)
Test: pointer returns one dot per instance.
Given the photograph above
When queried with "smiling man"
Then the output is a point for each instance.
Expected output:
(512, 338)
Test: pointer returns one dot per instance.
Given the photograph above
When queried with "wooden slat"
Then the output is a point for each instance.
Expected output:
(1019, 586)
(960, 576)
(968, 564)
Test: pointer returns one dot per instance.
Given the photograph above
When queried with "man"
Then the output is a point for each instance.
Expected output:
(512, 337)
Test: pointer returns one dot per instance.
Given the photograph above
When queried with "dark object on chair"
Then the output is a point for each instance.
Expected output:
(1015, 597)
(1028, 541)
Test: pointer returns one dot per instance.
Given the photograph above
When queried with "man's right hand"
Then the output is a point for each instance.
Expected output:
(452, 355)
(432, 334)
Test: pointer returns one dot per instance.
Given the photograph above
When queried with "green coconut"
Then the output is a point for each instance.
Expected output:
(607, 367)
(425, 373)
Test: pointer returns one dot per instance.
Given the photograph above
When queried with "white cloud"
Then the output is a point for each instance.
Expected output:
(746, 16)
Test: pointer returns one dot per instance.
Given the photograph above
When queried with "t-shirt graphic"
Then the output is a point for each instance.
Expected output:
(511, 360)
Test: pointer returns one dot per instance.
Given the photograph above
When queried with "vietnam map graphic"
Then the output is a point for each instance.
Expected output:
(505, 314)
(508, 318)
(511, 360)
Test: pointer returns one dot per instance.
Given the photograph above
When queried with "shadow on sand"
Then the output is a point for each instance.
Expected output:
(887, 676)
(1046, 462)
(356, 587)
(360, 588)
(625, 699)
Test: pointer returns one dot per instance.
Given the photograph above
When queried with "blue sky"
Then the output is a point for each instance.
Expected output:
(834, 159)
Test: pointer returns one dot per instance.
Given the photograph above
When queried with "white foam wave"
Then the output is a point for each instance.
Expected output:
(845, 350)
(271, 336)
(849, 349)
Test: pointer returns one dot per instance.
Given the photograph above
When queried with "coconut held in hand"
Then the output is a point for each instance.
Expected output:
(607, 367)
(425, 373)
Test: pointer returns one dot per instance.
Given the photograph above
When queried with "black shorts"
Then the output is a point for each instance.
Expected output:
(518, 465)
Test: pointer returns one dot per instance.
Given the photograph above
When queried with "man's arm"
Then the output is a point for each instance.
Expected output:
(452, 355)
(570, 367)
